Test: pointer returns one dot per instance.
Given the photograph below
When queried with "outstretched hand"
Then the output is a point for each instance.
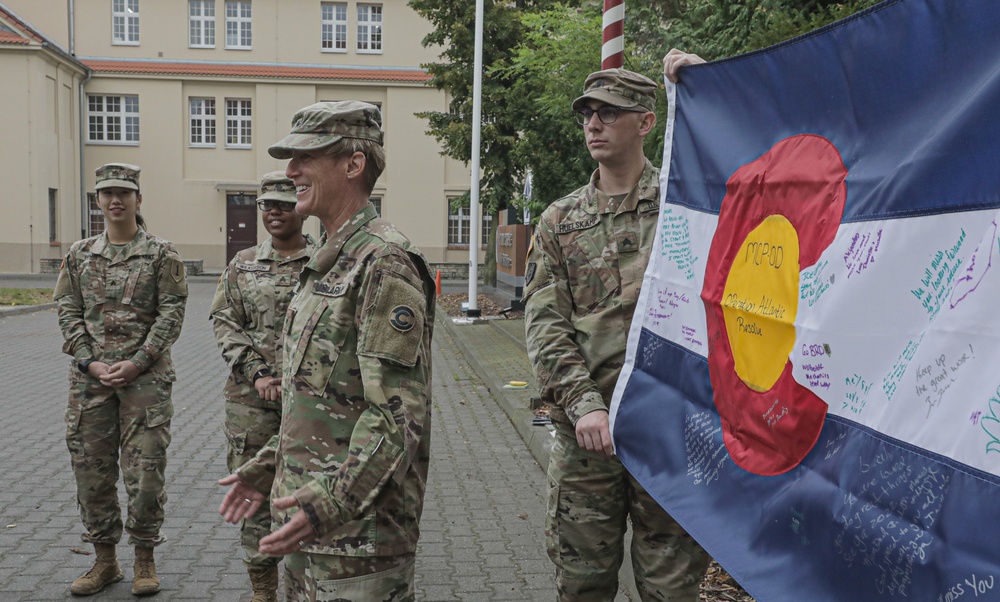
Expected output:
(241, 501)
(293, 536)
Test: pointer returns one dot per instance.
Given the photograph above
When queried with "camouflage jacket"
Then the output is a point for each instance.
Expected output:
(355, 432)
(584, 271)
(122, 306)
(248, 313)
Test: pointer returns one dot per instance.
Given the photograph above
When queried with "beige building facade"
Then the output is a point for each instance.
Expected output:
(194, 91)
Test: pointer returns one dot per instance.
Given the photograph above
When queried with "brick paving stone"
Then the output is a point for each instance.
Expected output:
(474, 544)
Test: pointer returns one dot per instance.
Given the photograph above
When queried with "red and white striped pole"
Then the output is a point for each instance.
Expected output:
(613, 38)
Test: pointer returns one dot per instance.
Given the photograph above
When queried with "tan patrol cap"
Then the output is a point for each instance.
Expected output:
(121, 175)
(276, 186)
(619, 88)
(320, 125)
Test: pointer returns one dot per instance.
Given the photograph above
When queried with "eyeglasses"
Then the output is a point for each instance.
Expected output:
(267, 205)
(608, 114)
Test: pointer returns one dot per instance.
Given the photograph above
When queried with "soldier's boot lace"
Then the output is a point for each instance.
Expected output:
(146, 582)
(104, 572)
(264, 581)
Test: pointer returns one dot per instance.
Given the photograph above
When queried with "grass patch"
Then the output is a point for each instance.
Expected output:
(25, 296)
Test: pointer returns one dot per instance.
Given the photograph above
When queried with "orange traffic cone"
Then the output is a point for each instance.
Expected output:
(437, 282)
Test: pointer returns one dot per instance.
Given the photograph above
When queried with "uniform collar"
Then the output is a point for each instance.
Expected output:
(326, 256)
(104, 248)
(266, 252)
(647, 188)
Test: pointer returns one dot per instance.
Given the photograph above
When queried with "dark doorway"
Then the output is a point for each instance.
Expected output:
(241, 222)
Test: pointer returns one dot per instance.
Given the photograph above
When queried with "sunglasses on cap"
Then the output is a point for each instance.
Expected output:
(268, 204)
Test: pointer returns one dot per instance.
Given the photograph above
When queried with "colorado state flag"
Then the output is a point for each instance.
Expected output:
(813, 376)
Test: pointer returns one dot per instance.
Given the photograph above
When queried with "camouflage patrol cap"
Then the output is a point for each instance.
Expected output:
(620, 88)
(121, 175)
(320, 125)
(276, 186)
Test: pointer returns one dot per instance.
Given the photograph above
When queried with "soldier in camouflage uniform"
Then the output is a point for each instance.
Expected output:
(248, 314)
(585, 268)
(121, 299)
(348, 471)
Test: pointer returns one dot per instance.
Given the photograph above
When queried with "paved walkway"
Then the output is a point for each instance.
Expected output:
(482, 528)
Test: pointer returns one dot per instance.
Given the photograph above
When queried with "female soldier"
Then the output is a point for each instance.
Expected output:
(121, 299)
(247, 314)
(349, 467)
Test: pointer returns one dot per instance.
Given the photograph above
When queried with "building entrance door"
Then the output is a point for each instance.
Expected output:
(241, 222)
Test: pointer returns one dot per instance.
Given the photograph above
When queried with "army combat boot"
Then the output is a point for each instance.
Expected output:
(146, 582)
(264, 580)
(104, 572)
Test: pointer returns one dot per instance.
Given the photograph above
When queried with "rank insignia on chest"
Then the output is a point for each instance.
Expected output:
(253, 267)
(401, 318)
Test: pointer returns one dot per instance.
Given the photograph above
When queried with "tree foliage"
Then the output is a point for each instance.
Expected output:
(537, 54)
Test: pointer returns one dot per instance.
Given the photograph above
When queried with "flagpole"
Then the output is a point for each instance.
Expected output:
(613, 35)
(475, 221)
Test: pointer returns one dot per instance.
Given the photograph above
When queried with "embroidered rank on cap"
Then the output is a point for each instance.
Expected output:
(401, 318)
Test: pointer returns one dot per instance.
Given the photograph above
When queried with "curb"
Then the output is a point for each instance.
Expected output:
(538, 440)
(25, 309)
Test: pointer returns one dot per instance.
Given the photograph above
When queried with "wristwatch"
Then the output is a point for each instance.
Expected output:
(260, 374)
(83, 365)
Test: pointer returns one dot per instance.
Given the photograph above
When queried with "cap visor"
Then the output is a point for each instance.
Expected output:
(116, 184)
(274, 195)
(283, 149)
(605, 97)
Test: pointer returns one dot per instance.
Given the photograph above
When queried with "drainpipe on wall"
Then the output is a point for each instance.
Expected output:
(84, 206)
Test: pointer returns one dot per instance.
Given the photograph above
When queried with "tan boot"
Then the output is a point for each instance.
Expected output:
(264, 581)
(104, 572)
(146, 582)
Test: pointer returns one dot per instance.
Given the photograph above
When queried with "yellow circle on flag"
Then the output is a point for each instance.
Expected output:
(760, 302)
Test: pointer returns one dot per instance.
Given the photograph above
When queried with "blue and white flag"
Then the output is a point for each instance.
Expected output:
(813, 378)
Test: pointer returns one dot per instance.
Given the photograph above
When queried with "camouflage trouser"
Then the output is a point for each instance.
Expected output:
(329, 578)
(134, 419)
(248, 429)
(589, 498)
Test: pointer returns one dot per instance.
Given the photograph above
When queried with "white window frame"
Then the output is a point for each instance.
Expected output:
(201, 23)
(458, 222)
(333, 26)
(239, 123)
(369, 29)
(202, 123)
(114, 117)
(239, 24)
(125, 22)
(376, 200)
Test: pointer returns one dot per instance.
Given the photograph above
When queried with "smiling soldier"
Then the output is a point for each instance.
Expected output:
(248, 313)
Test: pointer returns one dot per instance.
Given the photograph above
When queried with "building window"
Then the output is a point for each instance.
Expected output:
(125, 22)
(95, 221)
(201, 23)
(113, 119)
(370, 28)
(239, 33)
(377, 201)
(53, 215)
(202, 122)
(238, 123)
(458, 227)
(334, 26)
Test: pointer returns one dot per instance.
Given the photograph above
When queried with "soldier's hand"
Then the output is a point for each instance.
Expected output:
(241, 501)
(292, 537)
(98, 370)
(676, 59)
(593, 433)
(120, 374)
(268, 388)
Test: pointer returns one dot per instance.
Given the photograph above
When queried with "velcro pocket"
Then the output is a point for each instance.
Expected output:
(392, 326)
(159, 414)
